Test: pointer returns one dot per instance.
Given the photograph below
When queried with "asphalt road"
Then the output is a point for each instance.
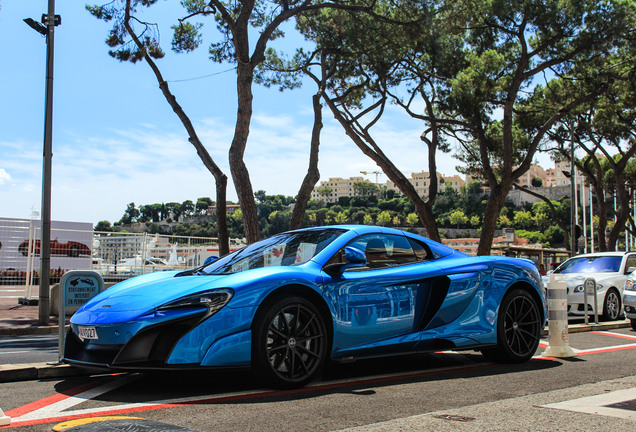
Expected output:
(28, 349)
(442, 391)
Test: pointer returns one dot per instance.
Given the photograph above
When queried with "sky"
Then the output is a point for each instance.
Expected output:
(116, 140)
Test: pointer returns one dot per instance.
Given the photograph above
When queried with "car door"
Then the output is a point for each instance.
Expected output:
(378, 305)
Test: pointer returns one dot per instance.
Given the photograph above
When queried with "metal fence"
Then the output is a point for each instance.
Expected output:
(75, 246)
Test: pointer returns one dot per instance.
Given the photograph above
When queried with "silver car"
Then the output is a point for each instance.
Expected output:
(629, 298)
(609, 270)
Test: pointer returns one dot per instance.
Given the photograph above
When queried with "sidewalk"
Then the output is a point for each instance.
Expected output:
(23, 320)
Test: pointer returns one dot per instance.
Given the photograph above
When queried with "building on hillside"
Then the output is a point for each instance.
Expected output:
(229, 209)
(550, 177)
(331, 190)
(422, 180)
(535, 171)
(466, 245)
(560, 179)
(525, 180)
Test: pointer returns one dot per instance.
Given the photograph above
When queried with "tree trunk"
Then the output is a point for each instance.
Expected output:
(622, 199)
(394, 174)
(240, 174)
(495, 203)
(313, 175)
(208, 162)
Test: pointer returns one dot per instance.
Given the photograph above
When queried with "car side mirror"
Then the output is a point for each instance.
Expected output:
(354, 257)
(630, 270)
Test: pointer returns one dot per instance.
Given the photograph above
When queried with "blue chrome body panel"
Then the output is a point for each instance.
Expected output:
(450, 301)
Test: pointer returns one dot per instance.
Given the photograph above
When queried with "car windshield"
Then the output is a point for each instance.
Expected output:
(597, 264)
(287, 249)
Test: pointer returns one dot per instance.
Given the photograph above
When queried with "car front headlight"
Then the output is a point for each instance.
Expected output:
(213, 300)
(629, 285)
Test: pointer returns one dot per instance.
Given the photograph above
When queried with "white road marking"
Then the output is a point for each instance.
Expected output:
(598, 404)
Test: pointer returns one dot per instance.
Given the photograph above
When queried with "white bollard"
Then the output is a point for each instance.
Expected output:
(4, 420)
(558, 318)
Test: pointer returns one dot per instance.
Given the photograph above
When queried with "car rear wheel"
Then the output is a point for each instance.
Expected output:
(611, 305)
(518, 329)
(633, 324)
(289, 345)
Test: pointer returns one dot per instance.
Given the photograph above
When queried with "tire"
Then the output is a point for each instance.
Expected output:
(74, 251)
(518, 329)
(633, 324)
(289, 342)
(611, 305)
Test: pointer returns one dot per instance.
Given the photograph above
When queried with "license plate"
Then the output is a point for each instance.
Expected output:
(88, 333)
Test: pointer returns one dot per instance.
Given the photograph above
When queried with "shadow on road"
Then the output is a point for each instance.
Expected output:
(241, 386)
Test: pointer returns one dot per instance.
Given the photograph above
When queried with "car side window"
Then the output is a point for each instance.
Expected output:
(422, 251)
(631, 262)
(384, 250)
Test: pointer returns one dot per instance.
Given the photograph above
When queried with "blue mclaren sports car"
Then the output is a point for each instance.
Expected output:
(286, 305)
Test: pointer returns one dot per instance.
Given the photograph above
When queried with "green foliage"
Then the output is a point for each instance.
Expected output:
(103, 226)
(384, 218)
(458, 218)
(365, 189)
(186, 37)
(412, 219)
(274, 216)
(523, 219)
(341, 218)
(533, 236)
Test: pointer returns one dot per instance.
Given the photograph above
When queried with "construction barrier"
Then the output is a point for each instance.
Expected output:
(4, 420)
(558, 318)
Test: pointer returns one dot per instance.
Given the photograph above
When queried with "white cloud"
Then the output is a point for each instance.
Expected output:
(95, 177)
(4, 176)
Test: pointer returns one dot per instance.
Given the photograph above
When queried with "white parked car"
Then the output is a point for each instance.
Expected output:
(629, 298)
(609, 270)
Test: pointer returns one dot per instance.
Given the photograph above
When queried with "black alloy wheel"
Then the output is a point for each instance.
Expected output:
(74, 251)
(611, 305)
(518, 329)
(289, 342)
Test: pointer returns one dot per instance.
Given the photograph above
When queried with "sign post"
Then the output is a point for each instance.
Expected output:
(76, 288)
(590, 290)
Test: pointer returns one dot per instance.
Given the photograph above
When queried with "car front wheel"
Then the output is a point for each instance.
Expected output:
(611, 305)
(518, 329)
(289, 345)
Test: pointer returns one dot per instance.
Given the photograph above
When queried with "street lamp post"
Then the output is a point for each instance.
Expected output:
(573, 218)
(50, 20)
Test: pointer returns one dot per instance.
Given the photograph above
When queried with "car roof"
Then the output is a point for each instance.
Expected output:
(601, 254)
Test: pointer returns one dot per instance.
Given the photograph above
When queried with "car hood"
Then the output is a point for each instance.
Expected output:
(574, 279)
(149, 291)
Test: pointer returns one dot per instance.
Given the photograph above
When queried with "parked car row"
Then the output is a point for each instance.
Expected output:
(629, 298)
(615, 280)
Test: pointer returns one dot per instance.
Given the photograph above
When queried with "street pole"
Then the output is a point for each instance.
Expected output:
(45, 242)
(572, 194)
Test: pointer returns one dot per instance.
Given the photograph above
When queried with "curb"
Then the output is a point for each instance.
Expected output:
(33, 330)
(37, 371)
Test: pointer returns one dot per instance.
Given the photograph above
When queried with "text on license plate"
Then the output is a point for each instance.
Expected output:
(87, 333)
